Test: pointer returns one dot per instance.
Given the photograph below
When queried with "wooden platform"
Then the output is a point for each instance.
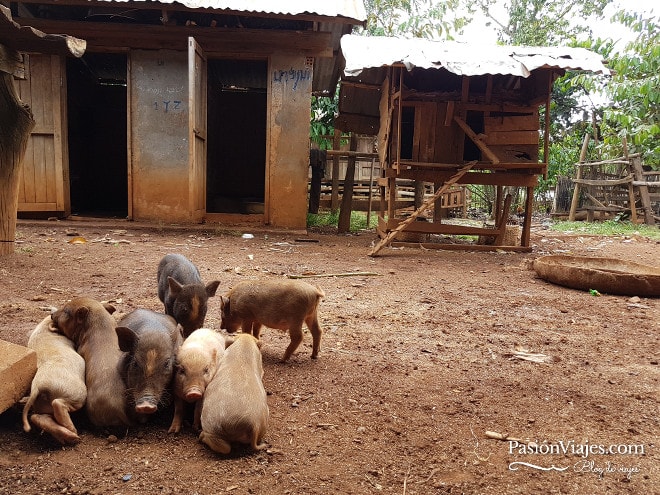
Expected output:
(18, 366)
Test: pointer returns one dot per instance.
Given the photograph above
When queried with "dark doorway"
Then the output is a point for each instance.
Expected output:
(96, 107)
(236, 146)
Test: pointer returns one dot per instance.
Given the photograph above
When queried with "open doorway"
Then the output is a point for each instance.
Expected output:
(97, 120)
(236, 144)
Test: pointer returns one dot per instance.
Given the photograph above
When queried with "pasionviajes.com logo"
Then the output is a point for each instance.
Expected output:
(587, 452)
(571, 448)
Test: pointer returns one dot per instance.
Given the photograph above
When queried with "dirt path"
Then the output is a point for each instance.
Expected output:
(416, 365)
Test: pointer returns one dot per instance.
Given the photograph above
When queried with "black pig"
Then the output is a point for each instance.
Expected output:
(181, 290)
(150, 341)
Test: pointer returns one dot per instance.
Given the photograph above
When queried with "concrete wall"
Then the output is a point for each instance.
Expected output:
(159, 135)
(288, 143)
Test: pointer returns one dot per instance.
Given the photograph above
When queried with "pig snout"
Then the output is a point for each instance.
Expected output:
(194, 393)
(146, 405)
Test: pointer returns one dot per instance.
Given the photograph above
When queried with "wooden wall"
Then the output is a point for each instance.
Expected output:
(44, 183)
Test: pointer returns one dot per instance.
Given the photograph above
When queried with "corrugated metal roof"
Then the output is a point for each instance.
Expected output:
(367, 52)
(25, 38)
(349, 9)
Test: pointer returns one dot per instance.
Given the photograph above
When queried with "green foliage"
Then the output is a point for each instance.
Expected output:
(541, 22)
(331, 219)
(634, 88)
(430, 19)
(608, 227)
(324, 111)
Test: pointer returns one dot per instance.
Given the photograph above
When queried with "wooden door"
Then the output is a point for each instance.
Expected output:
(197, 107)
(44, 181)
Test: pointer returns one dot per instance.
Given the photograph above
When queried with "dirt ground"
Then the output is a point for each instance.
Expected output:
(417, 363)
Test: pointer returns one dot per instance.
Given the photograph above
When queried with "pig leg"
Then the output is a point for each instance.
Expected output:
(296, 335)
(215, 443)
(197, 416)
(48, 424)
(177, 420)
(315, 329)
(256, 329)
(61, 412)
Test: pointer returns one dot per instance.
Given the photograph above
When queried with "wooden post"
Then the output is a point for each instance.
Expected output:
(317, 159)
(638, 172)
(631, 188)
(578, 176)
(527, 222)
(371, 183)
(334, 194)
(17, 122)
(346, 208)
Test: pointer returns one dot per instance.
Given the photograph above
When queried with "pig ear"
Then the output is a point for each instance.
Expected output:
(211, 287)
(175, 287)
(109, 308)
(127, 338)
(229, 340)
(224, 303)
(81, 314)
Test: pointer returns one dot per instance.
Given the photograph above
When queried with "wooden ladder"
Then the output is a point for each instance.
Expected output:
(425, 206)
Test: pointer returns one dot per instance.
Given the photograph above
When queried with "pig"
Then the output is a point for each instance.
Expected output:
(58, 388)
(150, 341)
(234, 407)
(196, 363)
(182, 292)
(281, 304)
(90, 325)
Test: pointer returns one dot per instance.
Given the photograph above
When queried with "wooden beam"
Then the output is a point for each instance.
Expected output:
(480, 144)
(216, 41)
(482, 178)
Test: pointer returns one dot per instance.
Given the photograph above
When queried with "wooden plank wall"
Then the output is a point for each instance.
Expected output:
(513, 138)
(44, 182)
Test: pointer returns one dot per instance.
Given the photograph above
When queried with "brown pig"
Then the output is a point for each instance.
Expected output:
(150, 341)
(281, 304)
(196, 363)
(234, 407)
(92, 328)
(182, 292)
(58, 388)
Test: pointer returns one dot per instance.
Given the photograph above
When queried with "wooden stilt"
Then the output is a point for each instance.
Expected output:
(425, 206)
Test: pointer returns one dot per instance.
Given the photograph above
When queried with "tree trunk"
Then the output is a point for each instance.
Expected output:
(16, 122)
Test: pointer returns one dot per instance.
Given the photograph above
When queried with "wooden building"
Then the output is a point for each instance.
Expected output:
(452, 113)
(178, 111)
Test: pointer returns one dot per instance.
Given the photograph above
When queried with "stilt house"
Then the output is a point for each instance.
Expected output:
(452, 113)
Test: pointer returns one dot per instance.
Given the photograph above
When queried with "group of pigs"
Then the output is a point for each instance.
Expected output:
(122, 371)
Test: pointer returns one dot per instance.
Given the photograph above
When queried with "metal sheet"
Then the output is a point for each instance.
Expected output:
(366, 52)
(350, 9)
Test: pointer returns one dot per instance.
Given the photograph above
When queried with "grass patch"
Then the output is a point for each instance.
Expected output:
(608, 227)
(331, 219)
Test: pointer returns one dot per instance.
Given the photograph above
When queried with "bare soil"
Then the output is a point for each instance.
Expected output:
(417, 363)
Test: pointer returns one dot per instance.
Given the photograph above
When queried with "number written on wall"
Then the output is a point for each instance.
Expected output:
(168, 106)
(292, 75)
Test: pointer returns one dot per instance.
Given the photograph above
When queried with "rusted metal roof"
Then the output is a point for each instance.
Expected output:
(371, 52)
(27, 38)
(352, 10)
